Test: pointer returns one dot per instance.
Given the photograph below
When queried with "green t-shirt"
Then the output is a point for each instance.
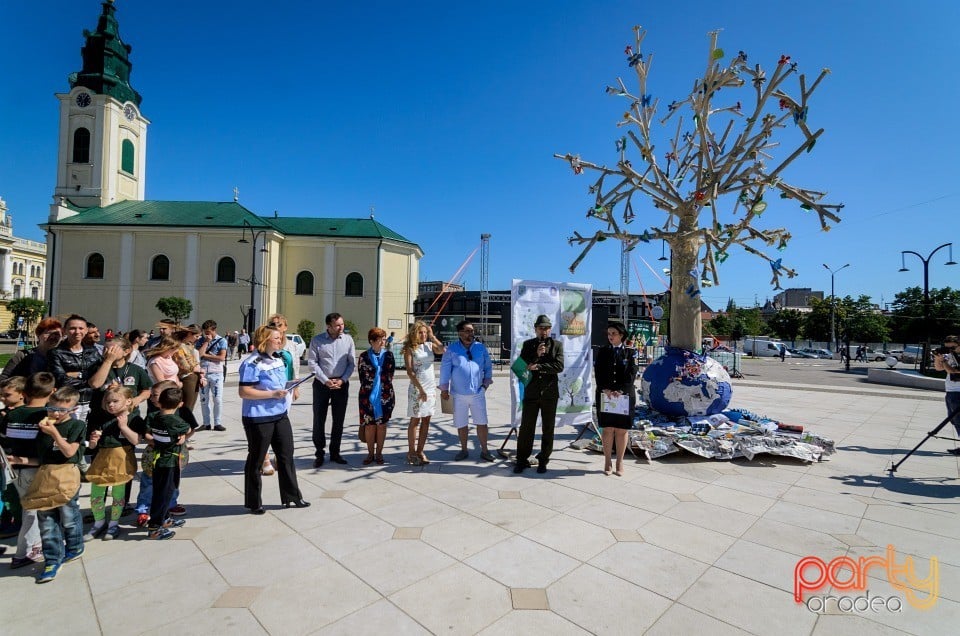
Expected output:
(129, 375)
(166, 430)
(19, 430)
(110, 435)
(70, 430)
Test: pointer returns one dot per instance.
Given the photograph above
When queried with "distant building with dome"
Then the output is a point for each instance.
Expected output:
(23, 268)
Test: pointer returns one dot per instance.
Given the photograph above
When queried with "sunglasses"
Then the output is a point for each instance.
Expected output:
(59, 409)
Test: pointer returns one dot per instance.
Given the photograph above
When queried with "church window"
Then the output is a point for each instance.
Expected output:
(126, 156)
(226, 270)
(304, 284)
(160, 268)
(94, 267)
(81, 145)
(35, 292)
(16, 291)
(354, 284)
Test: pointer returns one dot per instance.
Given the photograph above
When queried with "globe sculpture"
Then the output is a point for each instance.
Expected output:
(686, 383)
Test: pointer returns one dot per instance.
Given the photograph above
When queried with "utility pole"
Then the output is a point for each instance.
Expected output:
(833, 308)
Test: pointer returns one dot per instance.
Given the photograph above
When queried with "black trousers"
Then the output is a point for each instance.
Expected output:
(278, 435)
(546, 407)
(336, 400)
(165, 480)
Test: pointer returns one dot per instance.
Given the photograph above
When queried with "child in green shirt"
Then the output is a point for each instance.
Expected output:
(167, 432)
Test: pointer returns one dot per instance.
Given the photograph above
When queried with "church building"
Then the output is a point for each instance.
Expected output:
(111, 254)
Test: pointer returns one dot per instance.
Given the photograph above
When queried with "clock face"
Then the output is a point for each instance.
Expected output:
(129, 112)
(83, 100)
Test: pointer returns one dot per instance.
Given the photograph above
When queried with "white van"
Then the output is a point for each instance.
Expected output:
(762, 347)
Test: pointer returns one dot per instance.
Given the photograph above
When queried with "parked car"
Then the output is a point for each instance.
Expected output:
(817, 353)
(909, 355)
(298, 342)
(799, 353)
(762, 348)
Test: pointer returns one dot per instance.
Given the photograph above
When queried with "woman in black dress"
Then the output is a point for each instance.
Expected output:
(615, 369)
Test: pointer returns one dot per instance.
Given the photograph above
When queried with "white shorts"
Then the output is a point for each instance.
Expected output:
(466, 405)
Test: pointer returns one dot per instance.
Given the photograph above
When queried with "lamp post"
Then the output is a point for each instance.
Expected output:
(833, 307)
(926, 294)
(255, 234)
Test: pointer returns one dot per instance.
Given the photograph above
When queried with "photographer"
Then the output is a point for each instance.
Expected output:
(947, 359)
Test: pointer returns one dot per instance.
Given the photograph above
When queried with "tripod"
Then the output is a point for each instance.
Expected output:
(933, 433)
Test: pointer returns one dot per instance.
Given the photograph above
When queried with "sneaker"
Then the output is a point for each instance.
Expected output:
(205, 427)
(49, 573)
(112, 533)
(21, 562)
(486, 456)
(462, 455)
(268, 468)
(72, 556)
(178, 511)
(93, 533)
(142, 520)
(219, 427)
(159, 534)
(174, 523)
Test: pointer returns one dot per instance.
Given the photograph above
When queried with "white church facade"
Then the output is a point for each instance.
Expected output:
(111, 254)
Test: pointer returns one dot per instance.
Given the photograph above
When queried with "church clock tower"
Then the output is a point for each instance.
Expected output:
(103, 135)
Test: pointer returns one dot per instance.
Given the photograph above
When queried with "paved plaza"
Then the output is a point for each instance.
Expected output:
(679, 545)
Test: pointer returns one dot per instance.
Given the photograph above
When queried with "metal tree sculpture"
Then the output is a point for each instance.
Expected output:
(702, 173)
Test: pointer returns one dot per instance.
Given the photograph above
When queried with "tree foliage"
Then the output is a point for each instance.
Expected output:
(175, 308)
(307, 329)
(30, 309)
(907, 319)
(787, 324)
(863, 321)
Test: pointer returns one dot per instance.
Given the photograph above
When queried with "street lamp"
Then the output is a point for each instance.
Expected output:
(254, 234)
(926, 294)
(833, 307)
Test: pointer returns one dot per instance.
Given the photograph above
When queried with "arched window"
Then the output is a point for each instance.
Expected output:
(160, 268)
(81, 145)
(94, 266)
(126, 156)
(354, 285)
(226, 270)
(35, 292)
(304, 284)
(16, 290)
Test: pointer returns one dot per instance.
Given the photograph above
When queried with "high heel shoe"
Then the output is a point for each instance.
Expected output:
(379, 459)
(299, 503)
(607, 469)
(413, 459)
(423, 459)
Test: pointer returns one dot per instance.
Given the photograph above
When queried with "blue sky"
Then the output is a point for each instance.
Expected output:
(444, 116)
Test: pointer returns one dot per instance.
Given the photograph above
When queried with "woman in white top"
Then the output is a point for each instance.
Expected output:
(419, 348)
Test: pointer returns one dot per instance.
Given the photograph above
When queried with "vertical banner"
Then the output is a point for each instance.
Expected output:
(570, 308)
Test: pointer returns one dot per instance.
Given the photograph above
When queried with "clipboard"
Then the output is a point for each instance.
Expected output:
(619, 405)
(292, 384)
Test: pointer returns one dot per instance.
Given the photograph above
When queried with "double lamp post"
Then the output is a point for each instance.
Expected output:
(925, 354)
(255, 235)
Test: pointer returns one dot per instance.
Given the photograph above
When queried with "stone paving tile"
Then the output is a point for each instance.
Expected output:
(408, 533)
(555, 496)
(571, 536)
(238, 533)
(760, 563)
(529, 598)
(233, 621)
(594, 600)
(656, 569)
(620, 534)
(710, 516)
(463, 535)
(812, 518)
(349, 535)
(418, 510)
(456, 600)
(850, 625)
(943, 524)
(306, 601)
(748, 604)
(52, 619)
(687, 539)
(393, 565)
(153, 596)
(263, 565)
(110, 573)
(680, 619)
(792, 540)
(671, 484)
(465, 495)
(515, 515)
(382, 617)
(735, 499)
(611, 514)
(533, 622)
(237, 597)
(519, 562)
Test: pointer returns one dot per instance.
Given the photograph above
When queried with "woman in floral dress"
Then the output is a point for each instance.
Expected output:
(419, 348)
(375, 367)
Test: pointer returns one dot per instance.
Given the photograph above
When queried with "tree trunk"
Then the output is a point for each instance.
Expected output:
(685, 326)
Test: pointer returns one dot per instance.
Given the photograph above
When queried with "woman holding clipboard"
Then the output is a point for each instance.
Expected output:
(615, 370)
(263, 376)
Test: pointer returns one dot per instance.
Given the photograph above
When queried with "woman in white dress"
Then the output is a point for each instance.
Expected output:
(419, 348)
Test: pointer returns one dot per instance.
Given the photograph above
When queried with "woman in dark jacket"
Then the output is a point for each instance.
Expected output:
(25, 362)
(615, 369)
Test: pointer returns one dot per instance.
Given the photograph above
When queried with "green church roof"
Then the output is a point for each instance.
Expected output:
(226, 214)
(106, 60)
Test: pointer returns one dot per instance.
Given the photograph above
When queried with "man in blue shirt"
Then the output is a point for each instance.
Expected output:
(466, 371)
(213, 354)
(332, 359)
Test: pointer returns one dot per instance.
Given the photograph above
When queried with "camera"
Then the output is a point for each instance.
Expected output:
(941, 351)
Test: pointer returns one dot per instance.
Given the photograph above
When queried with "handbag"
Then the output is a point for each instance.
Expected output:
(363, 433)
(446, 404)
(53, 486)
(112, 466)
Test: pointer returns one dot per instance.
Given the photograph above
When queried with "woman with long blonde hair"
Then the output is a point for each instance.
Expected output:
(419, 348)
